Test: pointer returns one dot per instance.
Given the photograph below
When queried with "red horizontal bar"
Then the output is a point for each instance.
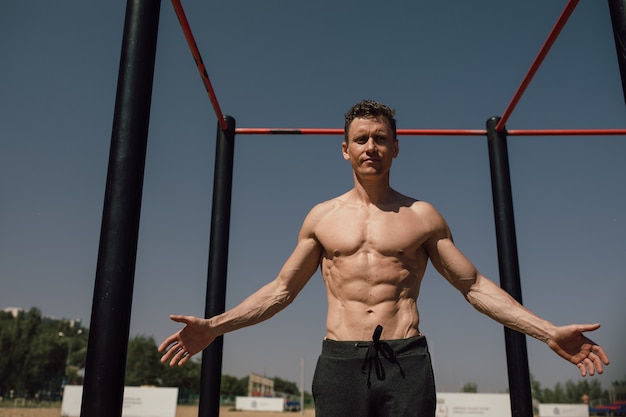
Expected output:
(282, 131)
(339, 132)
(435, 132)
(441, 132)
(567, 132)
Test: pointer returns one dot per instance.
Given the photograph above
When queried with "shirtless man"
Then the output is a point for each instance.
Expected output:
(372, 245)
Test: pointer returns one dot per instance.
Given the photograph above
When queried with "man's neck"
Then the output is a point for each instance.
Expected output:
(373, 190)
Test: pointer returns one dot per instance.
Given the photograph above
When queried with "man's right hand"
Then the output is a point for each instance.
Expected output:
(191, 339)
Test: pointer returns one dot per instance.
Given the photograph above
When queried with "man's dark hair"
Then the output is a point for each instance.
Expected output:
(369, 109)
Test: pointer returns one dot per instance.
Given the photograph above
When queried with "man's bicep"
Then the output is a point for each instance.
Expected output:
(305, 258)
(452, 264)
(302, 264)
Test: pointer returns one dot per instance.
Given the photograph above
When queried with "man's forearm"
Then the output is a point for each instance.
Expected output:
(496, 303)
(258, 307)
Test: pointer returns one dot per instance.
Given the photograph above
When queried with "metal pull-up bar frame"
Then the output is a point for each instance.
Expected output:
(543, 52)
(110, 319)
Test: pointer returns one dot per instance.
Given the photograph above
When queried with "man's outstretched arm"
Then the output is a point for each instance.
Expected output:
(568, 342)
(198, 333)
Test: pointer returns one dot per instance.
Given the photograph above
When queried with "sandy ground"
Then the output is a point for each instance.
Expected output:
(181, 411)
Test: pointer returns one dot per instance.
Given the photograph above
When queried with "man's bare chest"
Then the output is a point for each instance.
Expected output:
(386, 233)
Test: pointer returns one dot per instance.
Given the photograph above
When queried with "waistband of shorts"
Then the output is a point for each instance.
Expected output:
(411, 345)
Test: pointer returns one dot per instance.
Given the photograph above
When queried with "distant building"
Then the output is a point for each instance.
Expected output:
(259, 386)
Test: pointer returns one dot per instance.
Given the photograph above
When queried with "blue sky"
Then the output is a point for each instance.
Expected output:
(441, 65)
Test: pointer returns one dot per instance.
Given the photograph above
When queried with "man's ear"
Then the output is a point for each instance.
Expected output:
(344, 150)
(396, 148)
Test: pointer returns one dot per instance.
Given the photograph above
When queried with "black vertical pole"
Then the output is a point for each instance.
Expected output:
(516, 353)
(103, 390)
(617, 9)
(211, 374)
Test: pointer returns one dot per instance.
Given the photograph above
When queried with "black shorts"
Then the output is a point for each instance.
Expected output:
(346, 384)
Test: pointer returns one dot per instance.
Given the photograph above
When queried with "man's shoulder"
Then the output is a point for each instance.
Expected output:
(320, 214)
(428, 215)
(420, 207)
(325, 207)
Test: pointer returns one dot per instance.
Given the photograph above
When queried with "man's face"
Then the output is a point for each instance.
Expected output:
(371, 146)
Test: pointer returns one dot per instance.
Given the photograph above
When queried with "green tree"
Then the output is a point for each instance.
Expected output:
(44, 365)
(570, 393)
(470, 387)
(24, 333)
(34, 357)
(6, 347)
(574, 392)
(142, 362)
(535, 389)
(232, 386)
(73, 340)
(143, 367)
(186, 378)
(558, 394)
(281, 385)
